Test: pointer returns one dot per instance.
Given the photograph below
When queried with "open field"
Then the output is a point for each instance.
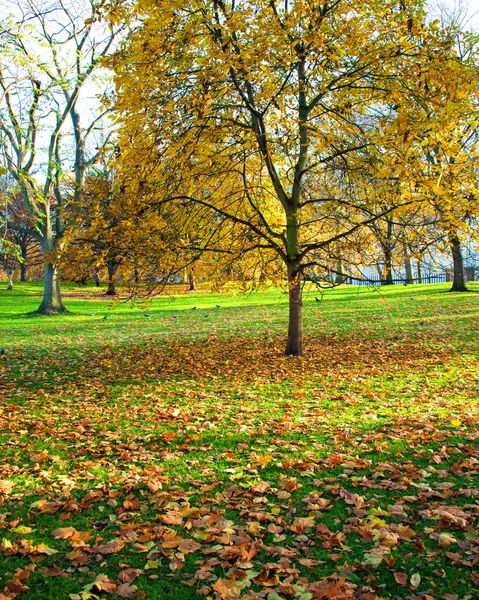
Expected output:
(180, 455)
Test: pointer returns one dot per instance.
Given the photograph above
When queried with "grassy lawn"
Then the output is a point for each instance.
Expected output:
(181, 455)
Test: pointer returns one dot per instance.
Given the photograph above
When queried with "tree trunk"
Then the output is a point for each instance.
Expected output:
(23, 272)
(52, 300)
(388, 247)
(294, 346)
(407, 265)
(192, 281)
(23, 264)
(459, 283)
(96, 278)
(419, 271)
(388, 266)
(9, 279)
(340, 278)
(111, 291)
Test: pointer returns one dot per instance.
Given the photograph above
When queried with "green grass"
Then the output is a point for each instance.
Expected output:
(136, 427)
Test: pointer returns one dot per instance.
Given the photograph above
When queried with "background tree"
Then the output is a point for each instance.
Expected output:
(110, 232)
(48, 56)
(18, 225)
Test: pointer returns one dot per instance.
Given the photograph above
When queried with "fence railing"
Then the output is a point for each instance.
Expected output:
(377, 281)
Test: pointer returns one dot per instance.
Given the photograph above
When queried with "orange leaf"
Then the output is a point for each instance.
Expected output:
(227, 589)
(63, 533)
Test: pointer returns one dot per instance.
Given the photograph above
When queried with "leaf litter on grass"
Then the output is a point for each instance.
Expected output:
(219, 468)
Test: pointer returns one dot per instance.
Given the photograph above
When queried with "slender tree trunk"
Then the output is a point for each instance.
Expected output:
(407, 265)
(23, 264)
(419, 271)
(52, 303)
(340, 278)
(23, 272)
(388, 266)
(459, 283)
(96, 278)
(52, 300)
(191, 281)
(9, 279)
(294, 346)
(111, 291)
(388, 246)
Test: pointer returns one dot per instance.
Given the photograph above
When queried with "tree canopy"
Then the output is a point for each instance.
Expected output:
(267, 124)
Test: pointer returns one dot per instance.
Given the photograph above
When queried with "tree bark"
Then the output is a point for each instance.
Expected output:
(340, 278)
(52, 300)
(419, 271)
(388, 247)
(9, 279)
(294, 346)
(192, 282)
(388, 266)
(111, 291)
(407, 265)
(459, 283)
(23, 264)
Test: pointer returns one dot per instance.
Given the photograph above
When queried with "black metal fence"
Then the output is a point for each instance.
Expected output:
(376, 281)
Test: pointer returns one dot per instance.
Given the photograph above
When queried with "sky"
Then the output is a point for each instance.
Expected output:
(468, 9)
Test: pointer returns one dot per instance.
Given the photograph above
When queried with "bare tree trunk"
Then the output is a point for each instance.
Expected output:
(419, 271)
(111, 291)
(191, 281)
(388, 247)
(407, 265)
(459, 283)
(294, 346)
(23, 264)
(96, 278)
(388, 266)
(340, 278)
(9, 279)
(52, 301)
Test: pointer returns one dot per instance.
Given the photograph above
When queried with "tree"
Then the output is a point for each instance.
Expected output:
(254, 117)
(48, 57)
(105, 234)
(448, 152)
(17, 227)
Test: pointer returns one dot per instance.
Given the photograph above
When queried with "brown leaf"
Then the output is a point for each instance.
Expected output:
(125, 590)
(111, 547)
(129, 575)
(104, 584)
(227, 589)
(187, 546)
(54, 571)
(63, 533)
(41, 457)
(401, 578)
(301, 524)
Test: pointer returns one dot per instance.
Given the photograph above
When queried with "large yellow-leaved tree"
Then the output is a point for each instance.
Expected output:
(261, 122)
